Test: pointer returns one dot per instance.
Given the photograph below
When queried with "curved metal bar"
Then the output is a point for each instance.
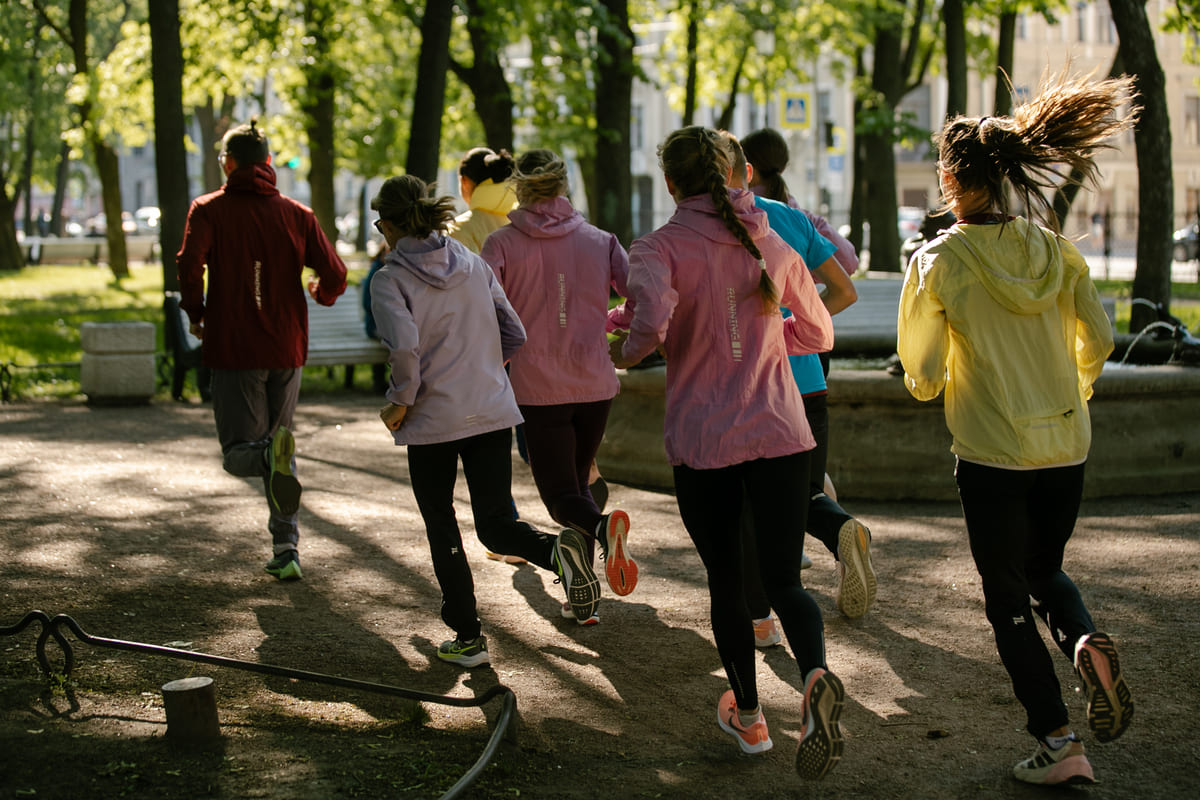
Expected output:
(51, 626)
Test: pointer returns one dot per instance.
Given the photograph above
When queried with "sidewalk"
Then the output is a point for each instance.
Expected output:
(123, 519)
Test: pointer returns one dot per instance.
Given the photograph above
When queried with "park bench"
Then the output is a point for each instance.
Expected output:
(336, 338)
(85, 249)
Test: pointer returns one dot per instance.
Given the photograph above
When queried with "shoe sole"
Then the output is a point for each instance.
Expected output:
(567, 613)
(750, 748)
(284, 488)
(468, 661)
(619, 568)
(856, 594)
(291, 572)
(821, 746)
(1110, 705)
(583, 587)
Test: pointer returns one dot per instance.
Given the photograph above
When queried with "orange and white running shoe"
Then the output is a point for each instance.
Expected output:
(619, 567)
(1109, 703)
(766, 632)
(753, 738)
(820, 736)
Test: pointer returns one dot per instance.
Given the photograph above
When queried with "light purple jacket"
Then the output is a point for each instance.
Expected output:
(449, 328)
(693, 288)
(557, 270)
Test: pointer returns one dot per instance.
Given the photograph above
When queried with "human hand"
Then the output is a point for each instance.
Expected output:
(393, 416)
(615, 348)
(314, 286)
(196, 329)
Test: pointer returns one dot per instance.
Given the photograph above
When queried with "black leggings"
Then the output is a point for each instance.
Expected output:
(710, 504)
(1018, 522)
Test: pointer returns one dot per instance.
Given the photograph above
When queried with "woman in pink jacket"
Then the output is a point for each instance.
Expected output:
(706, 287)
(557, 270)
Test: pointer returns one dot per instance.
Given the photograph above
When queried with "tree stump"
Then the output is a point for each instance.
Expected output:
(191, 706)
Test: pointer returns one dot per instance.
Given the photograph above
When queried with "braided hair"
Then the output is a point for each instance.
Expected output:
(697, 161)
(1038, 147)
(409, 204)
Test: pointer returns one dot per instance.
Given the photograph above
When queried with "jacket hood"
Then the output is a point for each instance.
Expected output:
(1019, 263)
(256, 178)
(432, 260)
(546, 219)
(496, 198)
(697, 213)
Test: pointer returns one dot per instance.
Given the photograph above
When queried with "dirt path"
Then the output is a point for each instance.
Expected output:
(123, 519)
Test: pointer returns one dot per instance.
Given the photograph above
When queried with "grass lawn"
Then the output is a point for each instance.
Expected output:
(41, 309)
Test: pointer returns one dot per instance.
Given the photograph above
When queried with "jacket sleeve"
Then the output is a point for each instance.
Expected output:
(512, 332)
(809, 329)
(398, 332)
(1093, 331)
(321, 256)
(190, 262)
(844, 252)
(922, 333)
(651, 302)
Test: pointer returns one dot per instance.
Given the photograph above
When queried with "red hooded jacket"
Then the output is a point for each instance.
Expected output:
(255, 243)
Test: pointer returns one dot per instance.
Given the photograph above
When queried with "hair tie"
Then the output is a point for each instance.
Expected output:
(762, 264)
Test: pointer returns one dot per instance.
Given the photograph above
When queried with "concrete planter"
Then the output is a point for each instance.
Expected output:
(884, 445)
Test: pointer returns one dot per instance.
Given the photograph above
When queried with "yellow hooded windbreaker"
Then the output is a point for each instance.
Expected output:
(1007, 320)
(490, 204)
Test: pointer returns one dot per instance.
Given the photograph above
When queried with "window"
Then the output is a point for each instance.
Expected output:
(1191, 120)
(1081, 10)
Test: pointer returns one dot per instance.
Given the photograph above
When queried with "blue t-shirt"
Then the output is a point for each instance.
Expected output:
(795, 228)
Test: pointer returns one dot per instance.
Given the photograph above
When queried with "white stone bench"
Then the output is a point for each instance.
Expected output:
(81, 249)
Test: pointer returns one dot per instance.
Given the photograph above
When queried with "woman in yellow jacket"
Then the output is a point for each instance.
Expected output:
(1001, 313)
(485, 185)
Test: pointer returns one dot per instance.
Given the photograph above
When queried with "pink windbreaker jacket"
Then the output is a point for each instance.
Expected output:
(693, 288)
(557, 270)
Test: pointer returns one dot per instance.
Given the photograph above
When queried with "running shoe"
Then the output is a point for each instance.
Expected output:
(753, 738)
(283, 489)
(856, 576)
(465, 654)
(286, 566)
(1109, 703)
(567, 613)
(619, 567)
(766, 632)
(575, 574)
(1049, 767)
(820, 737)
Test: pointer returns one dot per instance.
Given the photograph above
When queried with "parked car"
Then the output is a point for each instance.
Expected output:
(1187, 243)
(98, 225)
(146, 219)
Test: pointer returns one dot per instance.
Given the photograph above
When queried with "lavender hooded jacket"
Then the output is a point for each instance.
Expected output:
(693, 288)
(449, 328)
(556, 270)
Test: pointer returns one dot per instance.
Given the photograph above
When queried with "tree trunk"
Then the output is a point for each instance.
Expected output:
(318, 108)
(62, 175)
(693, 37)
(879, 159)
(1156, 210)
(1005, 43)
(170, 155)
(10, 250)
(486, 80)
(214, 124)
(109, 170)
(956, 57)
(858, 182)
(614, 88)
(424, 141)
(725, 121)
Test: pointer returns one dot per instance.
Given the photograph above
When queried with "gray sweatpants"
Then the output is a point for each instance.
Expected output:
(248, 405)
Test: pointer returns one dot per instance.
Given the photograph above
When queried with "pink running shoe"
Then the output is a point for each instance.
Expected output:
(1109, 704)
(619, 567)
(766, 632)
(1065, 766)
(820, 737)
(752, 739)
